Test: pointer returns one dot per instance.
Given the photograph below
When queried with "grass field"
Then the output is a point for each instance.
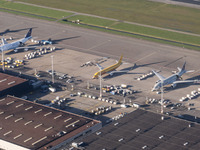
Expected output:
(33, 10)
(138, 29)
(140, 11)
(117, 27)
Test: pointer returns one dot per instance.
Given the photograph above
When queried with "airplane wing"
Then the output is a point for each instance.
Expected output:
(26, 47)
(100, 67)
(186, 81)
(158, 75)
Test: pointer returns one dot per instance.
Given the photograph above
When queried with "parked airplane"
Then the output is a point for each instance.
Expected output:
(17, 44)
(109, 69)
(171, 79)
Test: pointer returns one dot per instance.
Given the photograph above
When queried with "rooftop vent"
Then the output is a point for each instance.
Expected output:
(18, 119)
(38, 111)
(57, 117)
(98, 133)
(38, 125)
(186, 143)
(120, 139)
(162, 136)
(48, 129)
(3, 80)
(67, 119)
(47, 114)
(28, 122)
(17, 136)
(8, 116)
(116, 124)
(27, 140)
(144, 147)
(39, 140)
(7, 133)
(72, 124)
(19, 105)
(10, 102)
(29, 108)
(137, 130)
(11, 82)
(2, 99)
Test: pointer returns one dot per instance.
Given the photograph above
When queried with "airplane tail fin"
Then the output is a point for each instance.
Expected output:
(29, 33)
(182, 70)
(4, 41)
(120, 60)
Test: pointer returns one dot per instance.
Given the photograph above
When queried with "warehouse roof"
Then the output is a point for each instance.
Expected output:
(33, 125)
(8, 81)
(146, 130)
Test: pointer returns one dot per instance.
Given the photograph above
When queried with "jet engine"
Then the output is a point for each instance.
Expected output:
(173, 85)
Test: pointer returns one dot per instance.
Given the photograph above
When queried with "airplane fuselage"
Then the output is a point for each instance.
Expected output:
(107, 70)
(13, 45)
(170, 80)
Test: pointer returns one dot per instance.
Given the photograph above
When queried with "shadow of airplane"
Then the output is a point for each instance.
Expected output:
(129, 69)
(126, 71)
(9, 31)
(144, 65)
(63, 39)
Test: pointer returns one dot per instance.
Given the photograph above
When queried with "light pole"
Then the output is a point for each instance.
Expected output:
(162, 111)
(52, 69)
(2, 55)
(100, 86)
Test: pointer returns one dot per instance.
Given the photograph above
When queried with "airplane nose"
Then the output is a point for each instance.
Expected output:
(153, 89)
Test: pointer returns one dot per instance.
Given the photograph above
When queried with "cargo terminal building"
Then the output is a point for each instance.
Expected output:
(144, 130)
(13, 85)
(26, 125)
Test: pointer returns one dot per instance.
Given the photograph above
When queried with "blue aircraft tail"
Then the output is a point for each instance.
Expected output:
(182, 70)
(29, 33)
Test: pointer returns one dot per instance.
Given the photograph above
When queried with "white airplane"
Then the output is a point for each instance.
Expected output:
(17, 44)
(172, 79)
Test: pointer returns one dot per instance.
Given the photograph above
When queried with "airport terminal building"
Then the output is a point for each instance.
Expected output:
(30, 126)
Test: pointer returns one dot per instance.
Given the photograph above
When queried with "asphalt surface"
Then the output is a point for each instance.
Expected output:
(77, 45)
(186, 3)
(103, 44)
